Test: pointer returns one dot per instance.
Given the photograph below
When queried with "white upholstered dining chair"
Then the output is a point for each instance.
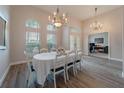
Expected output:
(31, 72)
(70, 63)
(78, 61)
(59, 67)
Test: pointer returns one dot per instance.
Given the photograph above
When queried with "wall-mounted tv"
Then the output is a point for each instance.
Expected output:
(99, 40)
(2, 34)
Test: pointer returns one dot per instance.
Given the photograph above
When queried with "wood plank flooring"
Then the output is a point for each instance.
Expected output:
(96, 73)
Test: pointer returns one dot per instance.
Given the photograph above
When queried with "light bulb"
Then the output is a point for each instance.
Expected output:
(49, 18)
(54, 13)
(66, 20)
(57, 24)
(63, 14)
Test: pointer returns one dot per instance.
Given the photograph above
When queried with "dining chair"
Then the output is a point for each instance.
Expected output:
(70, 63)
(59, 67)
(78, 61)
(43, 50)
(31, 72)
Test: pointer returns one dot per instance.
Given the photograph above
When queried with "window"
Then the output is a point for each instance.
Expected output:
(51, 36)
(32, 24)
(32, 35)
(50, 27)
(75, 38)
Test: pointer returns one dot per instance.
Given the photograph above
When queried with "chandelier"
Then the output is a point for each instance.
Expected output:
(58, 20)
(96, 26)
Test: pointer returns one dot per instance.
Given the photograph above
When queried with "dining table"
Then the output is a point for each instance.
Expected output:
(42, 64)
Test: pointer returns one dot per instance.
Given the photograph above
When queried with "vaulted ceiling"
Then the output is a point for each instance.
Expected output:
(80, 12)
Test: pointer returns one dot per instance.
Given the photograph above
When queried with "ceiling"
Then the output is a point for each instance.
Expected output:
(80, 12)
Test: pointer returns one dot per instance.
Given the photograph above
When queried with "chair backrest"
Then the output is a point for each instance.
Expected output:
(60, 61)
(71, 57)
(29, 66)
(79, 54)
(43, 50)
(28, 58)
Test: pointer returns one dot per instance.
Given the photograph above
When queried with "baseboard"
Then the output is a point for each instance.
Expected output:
(116, 59)
(121, 60)
(18, 62)
(4, 75)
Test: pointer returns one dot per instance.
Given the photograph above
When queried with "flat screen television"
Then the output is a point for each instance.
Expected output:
(2, 34)
(99, 40)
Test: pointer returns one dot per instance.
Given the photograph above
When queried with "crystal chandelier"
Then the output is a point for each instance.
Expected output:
(58, 20)
(96, 26)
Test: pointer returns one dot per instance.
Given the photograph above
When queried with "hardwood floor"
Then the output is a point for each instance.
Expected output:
(96, 73)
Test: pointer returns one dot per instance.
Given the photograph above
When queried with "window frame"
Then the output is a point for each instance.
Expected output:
(36, 30)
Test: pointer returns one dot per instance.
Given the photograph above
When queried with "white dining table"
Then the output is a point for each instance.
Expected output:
(42, 64)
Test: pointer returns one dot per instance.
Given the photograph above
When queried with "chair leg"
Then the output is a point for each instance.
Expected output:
(67, 74)
(73, 70)
(29, 81)
(80, 67)
(54, 81)
(64, 76)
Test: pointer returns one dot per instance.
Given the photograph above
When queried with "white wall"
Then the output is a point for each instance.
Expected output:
(113, 24)
(4, 54)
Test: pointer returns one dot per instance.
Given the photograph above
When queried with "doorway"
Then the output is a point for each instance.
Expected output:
(98, 45)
